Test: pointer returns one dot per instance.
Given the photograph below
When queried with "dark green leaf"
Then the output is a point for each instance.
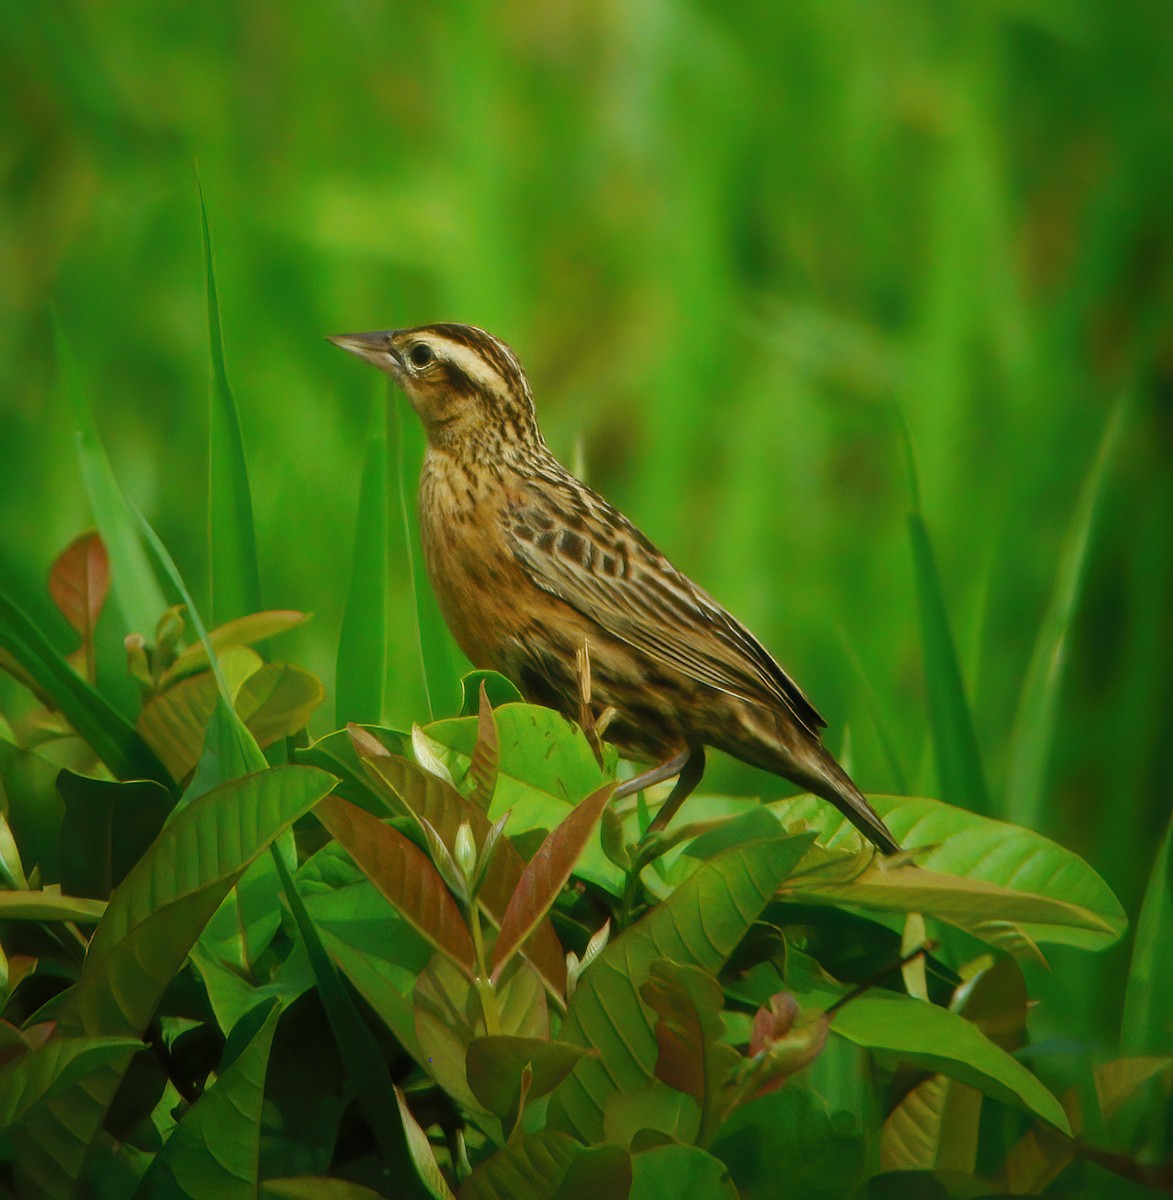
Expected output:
(107, 828)
(499, 690)
(495, 1064)
(823, 1153)
(680, 1171)
(214, 1151)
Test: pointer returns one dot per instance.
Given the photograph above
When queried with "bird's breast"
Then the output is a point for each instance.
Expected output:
(483, 594)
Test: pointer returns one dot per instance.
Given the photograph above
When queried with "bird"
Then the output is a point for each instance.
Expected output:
(532, 570)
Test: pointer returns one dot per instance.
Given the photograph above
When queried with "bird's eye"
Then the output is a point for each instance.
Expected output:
(420, 355)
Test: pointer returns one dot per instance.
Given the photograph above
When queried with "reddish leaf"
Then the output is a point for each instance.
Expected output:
(486, 755)
(784, 1047)
(546, 874)
(692, 1057)
(413, 791)
(404, 875)
(78, 582)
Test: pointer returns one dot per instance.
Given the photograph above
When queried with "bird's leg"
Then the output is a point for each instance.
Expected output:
(690, 775)
(674, 766)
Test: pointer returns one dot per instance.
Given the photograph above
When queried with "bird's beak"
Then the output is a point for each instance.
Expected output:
(374, 348)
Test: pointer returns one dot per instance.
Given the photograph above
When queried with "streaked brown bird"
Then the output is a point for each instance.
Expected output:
(528, 564)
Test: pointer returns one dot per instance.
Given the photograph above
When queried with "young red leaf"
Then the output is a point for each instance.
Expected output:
(486, 755)
(784, 1047)
(404, 875)
(78, 582)
(545, 874)
(692, 1057)
(412, 790)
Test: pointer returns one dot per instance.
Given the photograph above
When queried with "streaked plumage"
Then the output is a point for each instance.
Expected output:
(528, 563)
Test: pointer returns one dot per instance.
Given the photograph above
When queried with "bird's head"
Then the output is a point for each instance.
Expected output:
(467, 386)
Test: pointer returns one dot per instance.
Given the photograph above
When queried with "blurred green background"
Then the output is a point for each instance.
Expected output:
(729, 242)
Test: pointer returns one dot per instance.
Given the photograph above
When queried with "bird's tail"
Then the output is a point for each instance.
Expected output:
(826, 778)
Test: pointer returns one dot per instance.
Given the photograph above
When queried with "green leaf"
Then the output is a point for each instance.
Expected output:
(692, 1057)
(404, 875)
(495, 1064)
(315, 1187)
(112, 738)
(48, 904)
(934, 1127)
(1147, 1027)
(136, 591)
(499, 690)
(214, 1151)
(700, 924)
(533, 1166)
(40, 1074)
(34, 807)
(278, 700)
(899, 1028)
(974, 872)
(1034, 723)
(680, 1171)
(422, 1155)
(362, 645)
(78, 582)
(336, 753)
(107, 828)
(546, 874)
(232, 540)
(823, 1153)
(156, 914)
(243, 631)
(439, 655)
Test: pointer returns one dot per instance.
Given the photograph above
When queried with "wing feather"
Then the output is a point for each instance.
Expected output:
(574, 545)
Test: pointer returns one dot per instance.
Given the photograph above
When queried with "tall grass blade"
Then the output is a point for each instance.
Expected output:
(1147, 1028)
(232, 539)
(366, 1068)
(1034, 724)
(115, 741)
(438, 653)
(362, 647)
(135, 589)
(960, 776)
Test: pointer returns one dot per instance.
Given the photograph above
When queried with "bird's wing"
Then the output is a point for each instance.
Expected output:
(573, 544)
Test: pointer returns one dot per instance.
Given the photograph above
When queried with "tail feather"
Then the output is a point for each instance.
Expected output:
(826, 778)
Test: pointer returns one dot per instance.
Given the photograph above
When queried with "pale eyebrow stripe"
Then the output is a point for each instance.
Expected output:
(474, 365)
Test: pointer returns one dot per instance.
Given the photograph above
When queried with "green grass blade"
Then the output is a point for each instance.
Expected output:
(1034, 724)
(439, 656)
(247, 748)
(1146, 1028)
(365, 1066)
(232, 539)
(115, 741)
(960, 776)
(362, 646)
(134, 587)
